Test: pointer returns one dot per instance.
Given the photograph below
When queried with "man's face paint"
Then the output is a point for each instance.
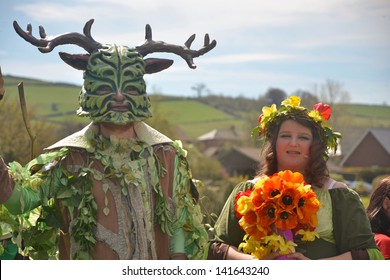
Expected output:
(114, 89)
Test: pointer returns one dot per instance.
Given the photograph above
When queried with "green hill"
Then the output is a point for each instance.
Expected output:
(193, 116)
(49, 98)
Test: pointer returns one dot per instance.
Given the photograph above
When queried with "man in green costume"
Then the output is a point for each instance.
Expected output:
(118, 189)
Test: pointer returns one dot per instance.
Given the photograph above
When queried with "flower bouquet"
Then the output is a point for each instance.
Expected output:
(277, 208)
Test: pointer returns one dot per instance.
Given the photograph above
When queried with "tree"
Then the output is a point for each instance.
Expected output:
(307, 98)
(199, 88)
(332, 92)
(276, 95)
(15, 144)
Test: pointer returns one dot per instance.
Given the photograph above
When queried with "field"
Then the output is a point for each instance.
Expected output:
(59, 102)
(195, 118)
(48, 99)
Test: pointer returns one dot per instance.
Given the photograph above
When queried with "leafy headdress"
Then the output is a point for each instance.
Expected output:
(291, 109)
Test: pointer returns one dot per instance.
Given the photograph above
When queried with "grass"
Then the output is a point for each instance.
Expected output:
(367, 111)
(195, 118)
(47, 98)
(191, 111)
(191, 116)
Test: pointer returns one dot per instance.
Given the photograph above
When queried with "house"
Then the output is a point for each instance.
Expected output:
(239, 161)
(371, 150)
(218, 138)
(225, 146)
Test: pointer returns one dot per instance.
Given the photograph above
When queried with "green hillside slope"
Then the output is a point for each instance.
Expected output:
(194, 117)
(56, 101)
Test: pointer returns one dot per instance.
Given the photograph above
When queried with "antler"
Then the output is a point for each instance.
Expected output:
(46, 44)
(150, 46)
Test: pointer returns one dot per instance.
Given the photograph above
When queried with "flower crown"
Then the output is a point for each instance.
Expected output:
(290, 107)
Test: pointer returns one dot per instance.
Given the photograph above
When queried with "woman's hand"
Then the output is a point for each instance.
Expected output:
(271, 256)
(297, 256)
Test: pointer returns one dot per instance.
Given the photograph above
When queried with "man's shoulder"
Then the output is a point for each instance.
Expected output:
(75, 140)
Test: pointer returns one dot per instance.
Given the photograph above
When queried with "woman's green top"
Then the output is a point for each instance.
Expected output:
(342, 224)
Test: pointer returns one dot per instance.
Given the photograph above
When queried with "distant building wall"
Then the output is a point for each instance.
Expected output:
(368, 154)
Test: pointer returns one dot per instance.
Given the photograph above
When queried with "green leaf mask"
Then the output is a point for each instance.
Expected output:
(114, 89)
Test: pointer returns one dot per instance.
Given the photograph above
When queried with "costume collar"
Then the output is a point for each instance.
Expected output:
(144, 133)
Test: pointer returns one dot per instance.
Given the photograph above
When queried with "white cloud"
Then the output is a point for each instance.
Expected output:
(247, 57)
(260, 43)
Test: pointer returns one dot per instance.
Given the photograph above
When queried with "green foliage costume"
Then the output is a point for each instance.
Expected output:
(102, 196)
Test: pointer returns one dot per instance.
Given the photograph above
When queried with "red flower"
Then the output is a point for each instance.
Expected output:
(324, 110)
(243, 193)
(260, 118)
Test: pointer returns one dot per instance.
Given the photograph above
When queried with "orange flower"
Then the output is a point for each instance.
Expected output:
(289, 198)
(280, 202)
(253, 228)
(291, 179)
(257, 198)
(257, 232)
(272, 188)
(266, 213)
(308, 206)
(286, 219)
(250, 218)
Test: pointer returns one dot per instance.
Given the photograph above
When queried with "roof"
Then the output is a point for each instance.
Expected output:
(211, 151)
(382, 135)
(226, 134)
(252, 153)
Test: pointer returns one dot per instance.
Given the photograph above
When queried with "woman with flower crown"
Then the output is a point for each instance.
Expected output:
(293, 193)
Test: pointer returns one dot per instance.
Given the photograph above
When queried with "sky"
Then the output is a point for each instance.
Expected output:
(261, 44)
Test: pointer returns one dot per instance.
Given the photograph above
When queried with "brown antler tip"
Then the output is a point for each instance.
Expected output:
(16, 26)
(148, 32)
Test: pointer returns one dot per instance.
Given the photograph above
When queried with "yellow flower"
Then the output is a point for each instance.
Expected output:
(287, 247)
(292, 106)
(307, 235)
(315, 115)
(293, 101)
(273, 240)
(261, 252)
(244, 205)
(260, 182)
(254, 247)
(267, 111)
(277, 243)
(250, 245)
